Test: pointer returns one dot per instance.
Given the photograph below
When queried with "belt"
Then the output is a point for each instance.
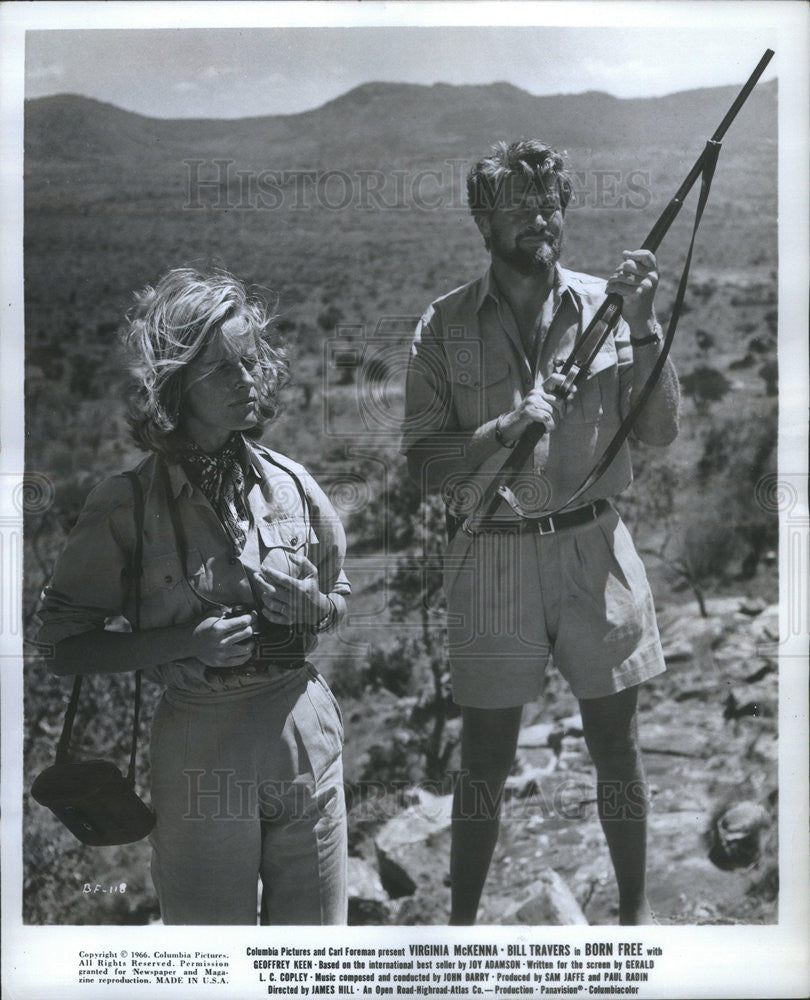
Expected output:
(257, 668)
(549, 525)
(569, 518)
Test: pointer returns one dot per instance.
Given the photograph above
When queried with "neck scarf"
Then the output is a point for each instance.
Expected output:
(221, 477)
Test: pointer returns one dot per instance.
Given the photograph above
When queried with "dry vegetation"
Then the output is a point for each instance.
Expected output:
(97, 228)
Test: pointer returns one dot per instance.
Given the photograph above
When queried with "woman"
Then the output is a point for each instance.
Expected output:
(242, 567)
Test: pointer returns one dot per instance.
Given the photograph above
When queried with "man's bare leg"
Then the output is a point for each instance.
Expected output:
(611, 734)
(488, 743)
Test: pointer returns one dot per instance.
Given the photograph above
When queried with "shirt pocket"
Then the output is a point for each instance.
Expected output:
(165, 591)
(591, 396)
(481, 393)
(282, 538)
(162, 573)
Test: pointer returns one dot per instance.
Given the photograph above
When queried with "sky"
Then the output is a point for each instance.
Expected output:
(238, 72)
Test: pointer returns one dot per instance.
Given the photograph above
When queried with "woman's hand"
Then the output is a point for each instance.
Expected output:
(223, 642)
(290, 600)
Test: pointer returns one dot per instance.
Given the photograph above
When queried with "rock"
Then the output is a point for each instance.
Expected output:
(364, 881)
(537, 735)
(413, 848)
(734, 835)
(572, 724)
(678, 652)
(677, 737)
(528, 782)
(688, 635)
(423, 908)
(758, 702)
(548, 900)
(765, 627)
(752, 606)
(368, 901)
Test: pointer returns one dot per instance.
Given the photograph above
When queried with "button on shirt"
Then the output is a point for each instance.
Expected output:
(90, 588)
(469, 365)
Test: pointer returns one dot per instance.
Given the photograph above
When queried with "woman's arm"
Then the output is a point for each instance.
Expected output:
(89, 587)
(217, 642)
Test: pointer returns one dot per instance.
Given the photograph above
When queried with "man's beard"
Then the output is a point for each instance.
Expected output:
(528, 259)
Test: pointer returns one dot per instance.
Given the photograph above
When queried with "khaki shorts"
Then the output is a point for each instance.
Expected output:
(516, 598)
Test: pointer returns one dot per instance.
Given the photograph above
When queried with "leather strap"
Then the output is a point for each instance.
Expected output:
(135, 569)
(711, 153)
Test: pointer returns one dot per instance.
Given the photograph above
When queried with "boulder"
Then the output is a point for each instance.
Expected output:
(546, 901)
(368, 901)
(734, 835)
(687, 635)
(413, 848)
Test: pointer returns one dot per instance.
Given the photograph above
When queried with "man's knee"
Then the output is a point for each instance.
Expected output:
(609, 724)
(489, 740)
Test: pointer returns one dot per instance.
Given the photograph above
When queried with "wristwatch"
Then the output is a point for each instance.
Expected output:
(651, 338)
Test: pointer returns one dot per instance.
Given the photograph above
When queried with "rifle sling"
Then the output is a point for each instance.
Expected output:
(711, 153)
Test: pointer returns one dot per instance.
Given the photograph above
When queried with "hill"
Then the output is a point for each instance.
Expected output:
(387, 122)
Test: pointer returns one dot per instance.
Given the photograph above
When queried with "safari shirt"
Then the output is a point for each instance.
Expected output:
(468, 366)
(90, 586)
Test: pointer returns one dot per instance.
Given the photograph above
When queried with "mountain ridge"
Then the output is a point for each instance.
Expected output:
(389, 120)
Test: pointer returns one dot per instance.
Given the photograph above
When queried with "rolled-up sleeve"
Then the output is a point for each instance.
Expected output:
(331, 540)
(89, 582)
(428, 409)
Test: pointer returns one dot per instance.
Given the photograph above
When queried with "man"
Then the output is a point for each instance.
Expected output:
(485, 361)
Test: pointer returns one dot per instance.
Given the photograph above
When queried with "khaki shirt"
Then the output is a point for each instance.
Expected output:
(468, 366)
(90, 585)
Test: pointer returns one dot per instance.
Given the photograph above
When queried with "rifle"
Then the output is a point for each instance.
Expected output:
(575, 368)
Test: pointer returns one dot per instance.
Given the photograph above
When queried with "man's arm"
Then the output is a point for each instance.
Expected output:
(636, 280)
(657, 423)
(437, 449)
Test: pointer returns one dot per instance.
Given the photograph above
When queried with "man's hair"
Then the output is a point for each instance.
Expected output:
(525, 159)
(170, 325)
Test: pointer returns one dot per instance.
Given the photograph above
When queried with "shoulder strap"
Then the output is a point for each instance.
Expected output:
(62, 748)
(178, 530)
(136, 569)
(307, 506)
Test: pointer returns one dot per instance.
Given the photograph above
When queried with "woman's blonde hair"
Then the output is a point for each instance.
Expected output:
(170, 325)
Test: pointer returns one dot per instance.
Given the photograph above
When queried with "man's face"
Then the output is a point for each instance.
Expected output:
(525, 229)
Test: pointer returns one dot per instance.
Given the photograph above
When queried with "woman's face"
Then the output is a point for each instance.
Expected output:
(219, 391)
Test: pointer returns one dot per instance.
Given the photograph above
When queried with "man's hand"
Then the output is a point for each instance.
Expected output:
(223, 642)
(539, 405)
(636, 280)
(290, 600)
